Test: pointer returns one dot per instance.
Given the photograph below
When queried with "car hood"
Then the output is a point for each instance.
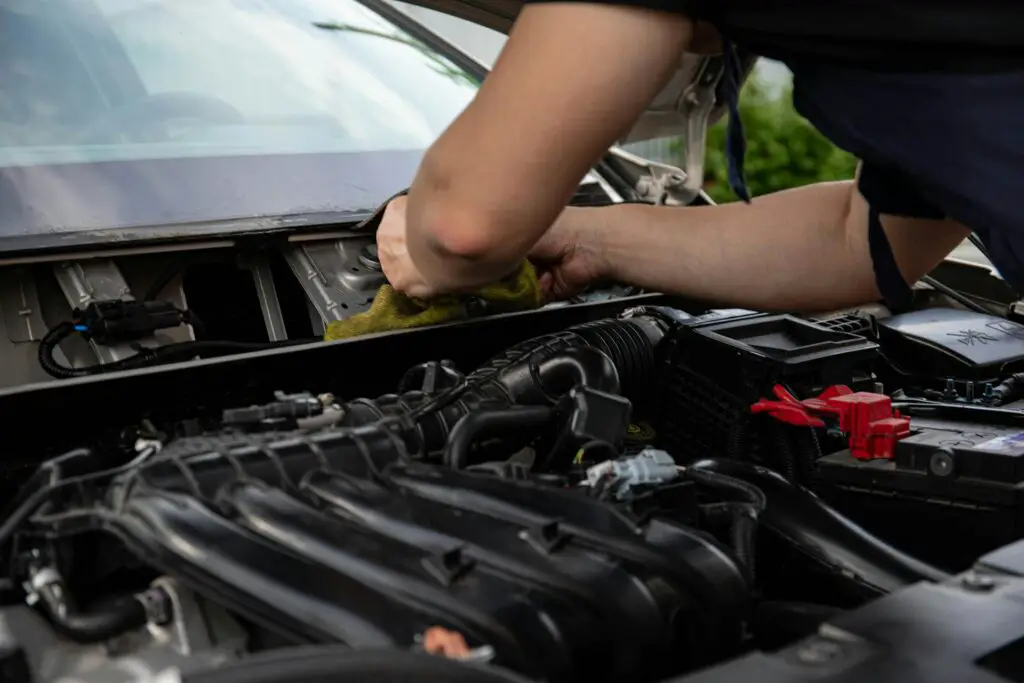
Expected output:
(686, 105)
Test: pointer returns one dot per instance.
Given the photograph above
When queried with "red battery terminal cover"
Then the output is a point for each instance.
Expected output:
(867, 419)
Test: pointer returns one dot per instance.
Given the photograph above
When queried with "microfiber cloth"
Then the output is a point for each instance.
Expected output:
(391, 310)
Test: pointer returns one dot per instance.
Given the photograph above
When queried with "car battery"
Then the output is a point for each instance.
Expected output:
(953, 490)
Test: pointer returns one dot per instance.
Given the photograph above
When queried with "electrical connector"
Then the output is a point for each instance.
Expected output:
(868, 420)
(118, 321)
(287, 407)
(649, 466)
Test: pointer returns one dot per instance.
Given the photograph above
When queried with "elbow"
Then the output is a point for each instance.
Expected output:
(459, 223)
(464, 234)
(471, 241)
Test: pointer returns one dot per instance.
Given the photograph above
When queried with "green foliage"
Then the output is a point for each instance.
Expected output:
(783, 149)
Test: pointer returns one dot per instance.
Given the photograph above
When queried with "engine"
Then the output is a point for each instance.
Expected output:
(634, 497)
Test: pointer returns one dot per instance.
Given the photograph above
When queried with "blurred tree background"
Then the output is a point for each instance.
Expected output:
(783, 149)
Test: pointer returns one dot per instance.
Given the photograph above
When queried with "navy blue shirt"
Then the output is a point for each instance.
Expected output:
(933, 145)
(929, 94)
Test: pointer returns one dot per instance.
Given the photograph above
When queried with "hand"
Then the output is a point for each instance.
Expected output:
(393, 252)
(568, 259)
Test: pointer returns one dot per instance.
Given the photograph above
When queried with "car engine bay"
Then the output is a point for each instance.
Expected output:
(67, 313)
(631, 489)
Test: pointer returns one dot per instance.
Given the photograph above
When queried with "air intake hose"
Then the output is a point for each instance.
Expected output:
(615, 356)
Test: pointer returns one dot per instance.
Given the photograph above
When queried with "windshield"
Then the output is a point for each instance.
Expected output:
(133, 113)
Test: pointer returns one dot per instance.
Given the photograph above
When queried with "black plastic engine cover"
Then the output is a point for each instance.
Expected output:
(319, 545)
(969, 629)
(947, 342)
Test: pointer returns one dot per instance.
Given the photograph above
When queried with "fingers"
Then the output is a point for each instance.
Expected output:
(559, 282)
(550, 249)
(546, 282)
(544, 252)
(393, 252)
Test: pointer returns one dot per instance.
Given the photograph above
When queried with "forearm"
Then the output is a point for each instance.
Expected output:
(795, 250)
(502, 172)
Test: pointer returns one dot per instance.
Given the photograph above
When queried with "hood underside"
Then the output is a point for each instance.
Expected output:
(685, 106)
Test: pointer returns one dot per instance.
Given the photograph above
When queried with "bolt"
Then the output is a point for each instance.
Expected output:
(950, 392)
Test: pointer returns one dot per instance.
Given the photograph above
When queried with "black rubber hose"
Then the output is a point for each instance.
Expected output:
(530, 372)
(482, 424)
(715, 479)
(333, 664)
(628, 343)
(547, 379)
(599, 448)
(858, 561)
(743, 535)
(745, 515)
(741, 519)
(121, 617)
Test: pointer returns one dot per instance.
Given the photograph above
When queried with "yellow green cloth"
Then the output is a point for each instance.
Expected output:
(393, 311)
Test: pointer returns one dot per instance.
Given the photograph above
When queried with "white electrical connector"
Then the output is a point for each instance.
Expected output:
(649, 466)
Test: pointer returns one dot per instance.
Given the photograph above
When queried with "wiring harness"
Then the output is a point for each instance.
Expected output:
(128, 322)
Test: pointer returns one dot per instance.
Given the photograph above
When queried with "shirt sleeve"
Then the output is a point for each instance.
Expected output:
(889, 191)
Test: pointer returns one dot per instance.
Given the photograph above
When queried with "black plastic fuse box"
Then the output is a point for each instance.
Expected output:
(941, 343)
(717, 366)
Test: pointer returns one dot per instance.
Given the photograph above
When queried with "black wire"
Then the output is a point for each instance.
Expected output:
(440, 401)
(146, 357)
(599, 446)
(47, 346)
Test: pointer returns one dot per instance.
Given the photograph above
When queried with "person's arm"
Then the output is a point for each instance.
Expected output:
(804, 249)
(572, 78)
